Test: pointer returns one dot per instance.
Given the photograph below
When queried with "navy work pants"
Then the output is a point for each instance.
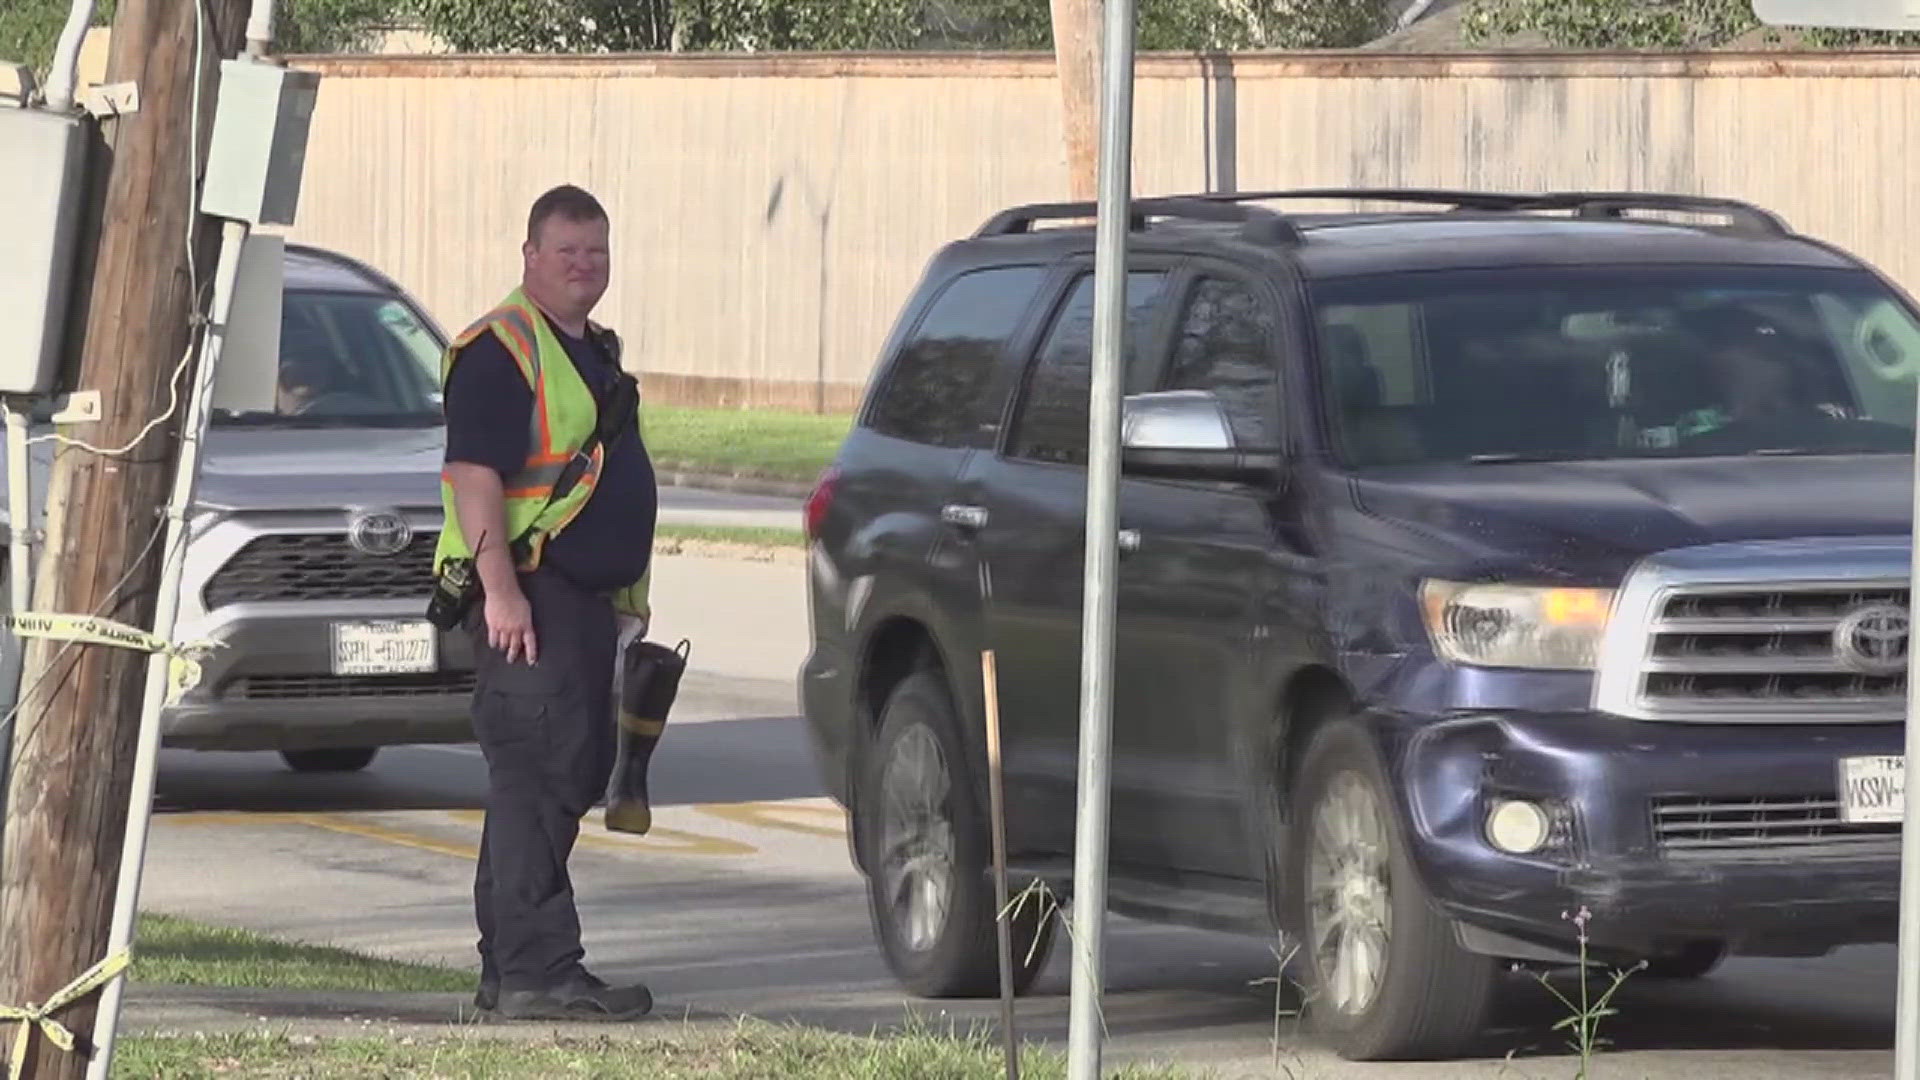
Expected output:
(547, 731)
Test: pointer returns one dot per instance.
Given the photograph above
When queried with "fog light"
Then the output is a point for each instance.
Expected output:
(1517, 827)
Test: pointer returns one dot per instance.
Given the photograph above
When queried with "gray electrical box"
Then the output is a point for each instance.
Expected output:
(42, 186)
(259, 142)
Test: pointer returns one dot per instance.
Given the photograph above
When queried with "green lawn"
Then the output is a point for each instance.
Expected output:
(183, 952)
(652, 1050)
(170, 950)
(743, 443)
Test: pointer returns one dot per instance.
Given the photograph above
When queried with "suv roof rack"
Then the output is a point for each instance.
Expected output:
(1742, 216)
(1462, 200)
(1260, 223)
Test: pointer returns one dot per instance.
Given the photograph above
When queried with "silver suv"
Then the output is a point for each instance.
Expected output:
(311, 546)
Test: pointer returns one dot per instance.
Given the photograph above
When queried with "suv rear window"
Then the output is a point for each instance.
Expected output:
(1616, 362)
(934, 392)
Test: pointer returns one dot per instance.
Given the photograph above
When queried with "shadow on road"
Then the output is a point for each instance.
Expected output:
(751, 759)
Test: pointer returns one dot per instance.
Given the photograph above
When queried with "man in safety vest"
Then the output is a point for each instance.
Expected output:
(545, 466)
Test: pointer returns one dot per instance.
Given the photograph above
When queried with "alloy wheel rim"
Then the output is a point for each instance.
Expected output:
(1349, 895)
(917, 840)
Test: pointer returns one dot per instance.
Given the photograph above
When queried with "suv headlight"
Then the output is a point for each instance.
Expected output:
(1516, 626)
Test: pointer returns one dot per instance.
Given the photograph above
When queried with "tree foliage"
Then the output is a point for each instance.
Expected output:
(877, 25)
(1642, 24)
(29, 29)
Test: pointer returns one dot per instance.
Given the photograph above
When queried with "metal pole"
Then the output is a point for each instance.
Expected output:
(20, 590)
(193, 431)
(1103, 497)
(1906, 1052)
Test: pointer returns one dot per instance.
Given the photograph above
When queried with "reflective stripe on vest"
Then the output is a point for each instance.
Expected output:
(562, 417)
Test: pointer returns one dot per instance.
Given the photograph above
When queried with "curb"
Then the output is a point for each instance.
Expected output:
(742, 485)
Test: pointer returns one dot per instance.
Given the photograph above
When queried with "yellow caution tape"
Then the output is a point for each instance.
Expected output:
(183, 668)
(39, 1017)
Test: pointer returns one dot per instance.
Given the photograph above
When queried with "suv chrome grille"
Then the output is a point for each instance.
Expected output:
(1804, 631)
(1708, 828)
(321, 566)
(1765, 646)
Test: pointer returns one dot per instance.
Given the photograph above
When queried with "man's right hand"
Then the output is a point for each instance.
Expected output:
(510, 625)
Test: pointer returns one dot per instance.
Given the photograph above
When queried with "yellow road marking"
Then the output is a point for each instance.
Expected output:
(336, 823)
(827, 822)
(766, 815)
(663, 840)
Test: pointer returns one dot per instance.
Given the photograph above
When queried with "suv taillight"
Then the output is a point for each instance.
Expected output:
(820, 501)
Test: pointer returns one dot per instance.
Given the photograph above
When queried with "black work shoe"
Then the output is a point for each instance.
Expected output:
(487, 997)
(585, 998)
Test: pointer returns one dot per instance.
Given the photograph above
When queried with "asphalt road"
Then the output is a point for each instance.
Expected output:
(744, 901)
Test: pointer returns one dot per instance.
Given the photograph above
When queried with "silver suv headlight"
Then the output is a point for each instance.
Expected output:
(1516, 626)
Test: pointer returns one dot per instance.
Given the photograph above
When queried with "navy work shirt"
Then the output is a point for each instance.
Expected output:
(610, 542)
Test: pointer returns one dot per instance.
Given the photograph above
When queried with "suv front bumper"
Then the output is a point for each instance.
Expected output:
(1666, 833)
(271, 685)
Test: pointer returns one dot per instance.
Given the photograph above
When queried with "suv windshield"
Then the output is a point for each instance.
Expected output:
(351, 359)
(1550, 363)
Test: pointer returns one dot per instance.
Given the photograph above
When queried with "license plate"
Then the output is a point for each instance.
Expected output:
(389, 647)
(1873, 790)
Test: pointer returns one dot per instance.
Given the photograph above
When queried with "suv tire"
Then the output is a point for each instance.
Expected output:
(929, 856)
(346, 759)
(1350, 863)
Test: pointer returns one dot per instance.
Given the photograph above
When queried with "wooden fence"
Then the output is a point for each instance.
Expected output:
(771, 213)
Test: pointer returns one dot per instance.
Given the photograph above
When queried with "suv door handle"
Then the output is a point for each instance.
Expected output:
(1129, 541)
(966, 517)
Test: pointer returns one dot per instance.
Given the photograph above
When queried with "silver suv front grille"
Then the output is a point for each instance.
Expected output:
(320, 566)
(1781, 632)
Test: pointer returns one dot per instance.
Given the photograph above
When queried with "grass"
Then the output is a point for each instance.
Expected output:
(176, 951)
(742, 535)
(750, 1051)
(172, 950)
(754, 444)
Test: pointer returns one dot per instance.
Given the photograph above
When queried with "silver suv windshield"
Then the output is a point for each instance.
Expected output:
(351, 359)
(1586, 363)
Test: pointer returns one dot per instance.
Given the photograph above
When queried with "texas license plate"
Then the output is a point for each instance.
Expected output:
(385, 647)
(1873, 790)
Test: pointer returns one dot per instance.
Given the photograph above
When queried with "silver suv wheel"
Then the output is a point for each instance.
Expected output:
(1349, 899)
(916, 838)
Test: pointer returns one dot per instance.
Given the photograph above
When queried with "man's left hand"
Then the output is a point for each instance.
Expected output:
(631, 627)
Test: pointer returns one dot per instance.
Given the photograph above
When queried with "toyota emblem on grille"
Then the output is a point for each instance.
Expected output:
(380, 533)
(1873, 639)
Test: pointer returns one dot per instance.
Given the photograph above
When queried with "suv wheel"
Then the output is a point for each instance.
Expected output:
(348, 759)
(1385, 978)
(929, 863)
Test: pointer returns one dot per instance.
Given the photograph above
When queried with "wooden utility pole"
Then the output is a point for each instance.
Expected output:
(1076, 52)
(80, 704)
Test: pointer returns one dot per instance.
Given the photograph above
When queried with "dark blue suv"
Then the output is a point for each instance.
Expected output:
(1482, 560)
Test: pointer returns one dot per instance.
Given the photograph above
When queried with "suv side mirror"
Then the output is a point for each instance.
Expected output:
(1185, 435)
